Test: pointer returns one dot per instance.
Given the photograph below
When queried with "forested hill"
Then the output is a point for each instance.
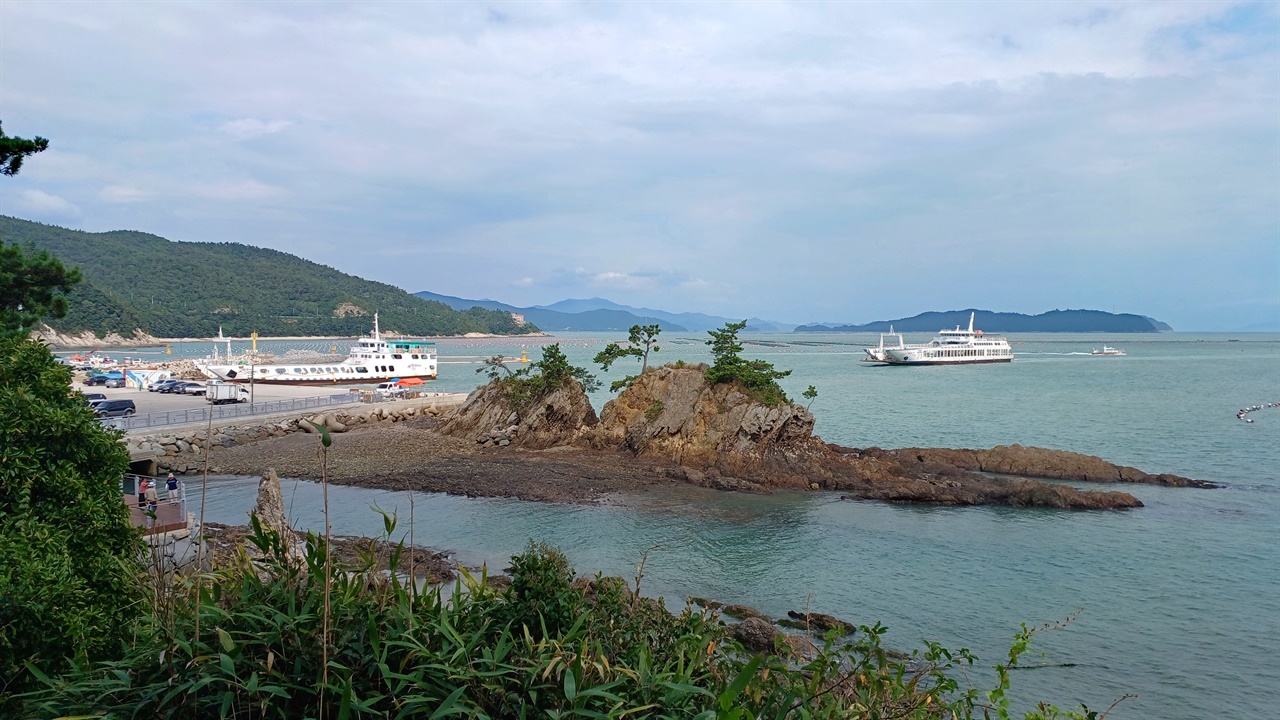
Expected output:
(179, 289)
(1052, 321)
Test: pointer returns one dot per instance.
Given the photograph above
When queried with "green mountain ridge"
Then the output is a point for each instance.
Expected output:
(136, 280)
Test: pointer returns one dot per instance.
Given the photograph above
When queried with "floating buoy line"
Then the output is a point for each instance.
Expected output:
(1243, 414)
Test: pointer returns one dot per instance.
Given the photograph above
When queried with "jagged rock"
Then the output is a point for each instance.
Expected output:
(759, 635)
(744, 611)
(549, 421)
(822, 623)
(1041, 463)
(270, 507)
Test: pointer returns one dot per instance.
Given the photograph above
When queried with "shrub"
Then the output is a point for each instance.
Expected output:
(69, 557)
(757, 377)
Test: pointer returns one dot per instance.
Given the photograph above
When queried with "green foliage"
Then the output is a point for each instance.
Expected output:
(13, 150)
(654, 410)
(641, 341)
(68, 572)
(810, 394)
(757, 377)
(548, 646)
(180, 289)
(32, 286)
(529, 384)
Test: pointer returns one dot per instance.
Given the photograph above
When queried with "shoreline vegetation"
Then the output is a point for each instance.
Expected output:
(88, 340)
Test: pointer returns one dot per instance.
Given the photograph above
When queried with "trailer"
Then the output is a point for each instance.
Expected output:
(219, 393)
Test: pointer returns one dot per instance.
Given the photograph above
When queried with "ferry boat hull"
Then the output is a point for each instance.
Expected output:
(371, 360)
(950, 347)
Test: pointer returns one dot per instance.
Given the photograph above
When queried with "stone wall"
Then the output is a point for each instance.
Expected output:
(183, 452)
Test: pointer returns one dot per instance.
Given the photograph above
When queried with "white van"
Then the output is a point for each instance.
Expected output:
(389, 390)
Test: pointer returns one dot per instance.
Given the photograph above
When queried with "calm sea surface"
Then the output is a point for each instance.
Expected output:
(1178, 602)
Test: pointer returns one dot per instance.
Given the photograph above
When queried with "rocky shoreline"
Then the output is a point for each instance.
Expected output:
(668, 427)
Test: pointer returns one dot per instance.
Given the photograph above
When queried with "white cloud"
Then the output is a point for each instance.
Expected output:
(246, 128)
(237, 191)
(123, 194)
(524, 282)
(42, 204)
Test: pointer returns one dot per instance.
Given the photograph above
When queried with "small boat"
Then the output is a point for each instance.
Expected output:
(1108, 350)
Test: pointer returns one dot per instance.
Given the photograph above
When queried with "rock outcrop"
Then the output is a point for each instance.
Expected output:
(88, 338)
(671, 413)
(490, 418)
(720, 437)
(1038, 463)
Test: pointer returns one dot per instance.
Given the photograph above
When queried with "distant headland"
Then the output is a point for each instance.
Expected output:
(1074, 321)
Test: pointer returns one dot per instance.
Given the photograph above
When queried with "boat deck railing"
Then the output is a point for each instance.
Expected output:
(169, 512)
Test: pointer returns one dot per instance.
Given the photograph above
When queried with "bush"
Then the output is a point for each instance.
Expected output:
(757, 377)
(69, 557)
(547, 646)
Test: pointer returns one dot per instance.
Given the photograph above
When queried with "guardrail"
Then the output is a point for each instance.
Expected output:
(227, 412)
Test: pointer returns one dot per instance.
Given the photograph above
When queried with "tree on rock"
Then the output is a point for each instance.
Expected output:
(641, 341)
(758, 377)
(528, 384)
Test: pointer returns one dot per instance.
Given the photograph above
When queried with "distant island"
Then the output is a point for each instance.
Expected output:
(988, 321)
(135, 281)
(601, 315)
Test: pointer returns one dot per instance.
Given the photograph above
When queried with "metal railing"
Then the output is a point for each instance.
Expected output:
(227, 412)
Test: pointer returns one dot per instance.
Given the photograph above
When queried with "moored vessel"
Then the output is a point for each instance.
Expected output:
(950, 347)
(373, 359)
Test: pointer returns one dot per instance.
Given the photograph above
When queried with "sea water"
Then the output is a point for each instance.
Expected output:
(1178, 601)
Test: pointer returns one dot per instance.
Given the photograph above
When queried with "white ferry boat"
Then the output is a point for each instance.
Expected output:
(1108, 350)
(950, 347)
(371, 360)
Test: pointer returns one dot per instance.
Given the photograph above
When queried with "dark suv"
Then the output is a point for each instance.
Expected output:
(113, 408)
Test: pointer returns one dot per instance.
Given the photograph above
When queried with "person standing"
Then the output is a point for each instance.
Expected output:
(152, 497)
(171, 484)
(142, 492)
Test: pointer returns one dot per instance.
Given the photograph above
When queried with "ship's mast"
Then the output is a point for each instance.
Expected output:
(376, 336)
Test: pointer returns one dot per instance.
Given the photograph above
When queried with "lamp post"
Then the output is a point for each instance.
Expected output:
(253, 361)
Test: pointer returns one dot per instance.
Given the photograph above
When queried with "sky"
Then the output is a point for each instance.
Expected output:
(802, 162)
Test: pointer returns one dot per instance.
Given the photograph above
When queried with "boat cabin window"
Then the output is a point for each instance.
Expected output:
(281, 371)
(362, 370)
(397, 356)
(300, 371)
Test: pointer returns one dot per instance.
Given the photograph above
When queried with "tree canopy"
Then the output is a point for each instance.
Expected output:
(33, 285)
(13, 150)
(758, 377)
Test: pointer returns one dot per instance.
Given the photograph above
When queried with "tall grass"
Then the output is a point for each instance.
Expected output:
(547, 646)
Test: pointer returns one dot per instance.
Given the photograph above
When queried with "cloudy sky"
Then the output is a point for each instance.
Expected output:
(793, 161)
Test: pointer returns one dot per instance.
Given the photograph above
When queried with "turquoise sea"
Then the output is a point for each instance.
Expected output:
(1178, 602)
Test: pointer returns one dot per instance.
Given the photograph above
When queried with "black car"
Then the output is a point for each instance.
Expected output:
(92, 399)
(96, 380)
(114, 408)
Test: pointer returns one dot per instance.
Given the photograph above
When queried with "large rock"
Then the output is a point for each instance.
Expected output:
(270, 508)
(1040, 463)
(558, 418)
(672, 413)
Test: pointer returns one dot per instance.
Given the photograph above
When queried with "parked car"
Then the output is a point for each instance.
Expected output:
(155, 386)
(96, 380)
(114, 382)
(92, 399)
(115, 408)
(172, 386)
(189, 388)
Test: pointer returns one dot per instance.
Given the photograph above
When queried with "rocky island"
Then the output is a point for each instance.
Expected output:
(669, 426)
